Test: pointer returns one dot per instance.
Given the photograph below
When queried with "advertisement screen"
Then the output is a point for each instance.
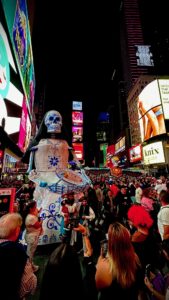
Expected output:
(103, 150)
(23, 48)
(77, 133)
(135, 153)
(110, 153)
(11, 97)
(153, 153)
(17, 19)
(101, 136)
(120, 145)
(78, 148)
(7, 196)
(77, 105)
(164, 90)
(25, 129)
(150, 111)
(77, 118)
(103, 117)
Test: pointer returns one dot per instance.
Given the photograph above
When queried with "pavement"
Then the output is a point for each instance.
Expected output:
(40, 259)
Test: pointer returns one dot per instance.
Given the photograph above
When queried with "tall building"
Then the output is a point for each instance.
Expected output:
(143, 84)
(144, 43)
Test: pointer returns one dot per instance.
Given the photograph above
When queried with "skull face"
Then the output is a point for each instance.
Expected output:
(53, 121)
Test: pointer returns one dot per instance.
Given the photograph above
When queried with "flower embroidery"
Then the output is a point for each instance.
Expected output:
(53, 161)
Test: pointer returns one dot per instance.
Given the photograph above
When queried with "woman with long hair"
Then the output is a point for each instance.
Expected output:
(119, 275)
(145, 238)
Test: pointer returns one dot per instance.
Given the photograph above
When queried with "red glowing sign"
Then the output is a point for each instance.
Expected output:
(78, 148)
(7, 197)
(77, 118)
(135, 153)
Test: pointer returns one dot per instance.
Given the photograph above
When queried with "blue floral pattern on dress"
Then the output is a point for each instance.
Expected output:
(54, 219)
(53, 161)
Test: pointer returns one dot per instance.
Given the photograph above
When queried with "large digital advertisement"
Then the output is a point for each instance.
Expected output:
(23, 48)
(153, 153)
(78, 148)
(120, 145)
(25, 129)
(77, 134)
(135, 153)
(77, 118)
(151, 111)
(11, 97)
(164, 90)
(18, 25)
(7, 197)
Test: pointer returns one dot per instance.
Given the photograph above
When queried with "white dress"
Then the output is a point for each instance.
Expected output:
(53, 178)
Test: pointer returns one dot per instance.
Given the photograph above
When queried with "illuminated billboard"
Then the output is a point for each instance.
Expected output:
(120, 145)
(135, 153)
(11, 93)
(25, 129)
(78, 148)
(77, 105)
(18, 25)
(153, 153)
(77, 118)
(109, 155)
(103, 150)
(164, 91)
(103, 117)
(150, 111)
(77, 134)
(101, 136)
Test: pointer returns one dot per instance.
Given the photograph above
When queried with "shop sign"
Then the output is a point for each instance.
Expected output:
(153, 153)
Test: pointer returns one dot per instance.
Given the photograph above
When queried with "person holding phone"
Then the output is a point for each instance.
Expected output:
(119, 272)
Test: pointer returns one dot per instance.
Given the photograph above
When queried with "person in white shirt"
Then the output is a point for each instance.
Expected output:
(163, 215)
(160, 186)
(33, 231)
(138, 193)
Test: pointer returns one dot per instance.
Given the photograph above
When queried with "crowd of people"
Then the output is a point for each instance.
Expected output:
(120, 226)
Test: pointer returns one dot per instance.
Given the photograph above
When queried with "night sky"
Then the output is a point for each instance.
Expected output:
(76, 50)
(76, 53)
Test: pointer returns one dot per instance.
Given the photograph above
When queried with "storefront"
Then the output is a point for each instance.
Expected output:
(10, 153)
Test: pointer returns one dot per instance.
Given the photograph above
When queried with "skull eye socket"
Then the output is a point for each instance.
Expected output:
(51, 118)
(56, 119)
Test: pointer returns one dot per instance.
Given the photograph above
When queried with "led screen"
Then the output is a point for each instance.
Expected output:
(110, 153)
(17, 19)
(150, 111)
(77, 105)
(120, 145)
(78, 148)
(101, 136)
(135, 153)
(164, 90)
(77, 118)
(11, 94)
(77, 134)
(25, 129)
(103, 117)
(153, 153)
(103, 150)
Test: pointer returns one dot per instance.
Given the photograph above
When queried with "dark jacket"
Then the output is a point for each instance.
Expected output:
(12, 263)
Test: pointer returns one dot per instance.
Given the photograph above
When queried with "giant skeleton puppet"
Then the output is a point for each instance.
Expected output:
(52, 176)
